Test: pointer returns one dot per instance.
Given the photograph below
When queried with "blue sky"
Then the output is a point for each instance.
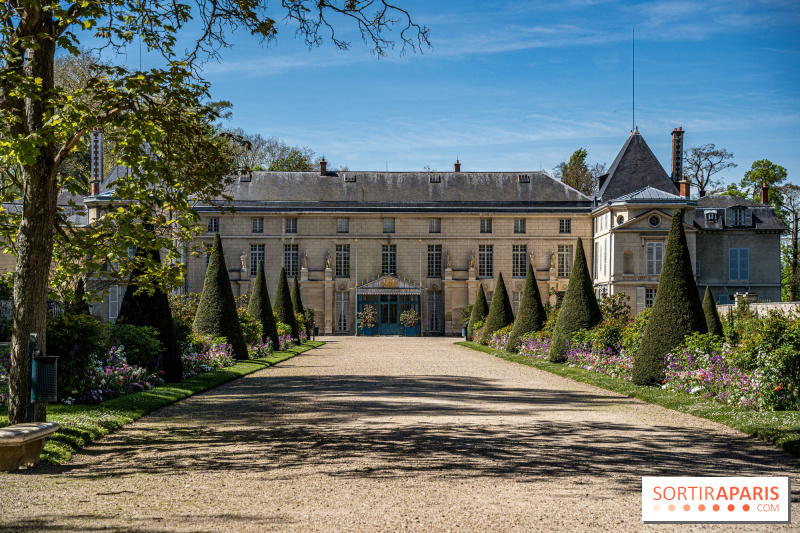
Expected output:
(513, 85)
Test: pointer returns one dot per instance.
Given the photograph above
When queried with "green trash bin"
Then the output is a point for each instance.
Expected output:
(44, 379)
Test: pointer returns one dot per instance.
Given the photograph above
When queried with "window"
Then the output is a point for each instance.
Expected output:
(435, 225)
(485, 260)
(343, 260)
(342, 225)
(258, 225)
(435, 311)
(724, 299)
(342, 311)
(519, 260)
(620, 220)
(388, 259)
(486, 225)
(256, 256)
(388, 225)
(655, 257)
(291, 257)
(113, 302)
(213, 225)
(519, 225)
(737, 217)
(434, 260)
(564, 260)
(291, 225)
(565, 225)
(739, 264)
(654, 221)
(649, 297)
(711, 216)
(516, 298)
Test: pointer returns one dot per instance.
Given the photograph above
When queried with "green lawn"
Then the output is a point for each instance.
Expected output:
(82, 424)
(781, 428)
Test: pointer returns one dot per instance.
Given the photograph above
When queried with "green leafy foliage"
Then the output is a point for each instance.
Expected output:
(479, 311)
(217, 313)
(184, 309)
(632, 336)
(284, 310)
(531, 316)
(251, 328)
(713, 323)
(143, 346)
(299, 308)
(615, 306)
(75, 339)
(260, 308)
(579, 309)
(500, 314)
(677, 311)
(465, 314)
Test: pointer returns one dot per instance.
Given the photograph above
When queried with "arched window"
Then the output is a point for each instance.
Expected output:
(627, 262)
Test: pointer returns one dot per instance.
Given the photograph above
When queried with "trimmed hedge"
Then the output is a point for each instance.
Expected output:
(479, 311)
(501, 314)
(260, 308)
(531, 316)
(284, 310)
(713, 322)
(579, 308)
(216, 313)
(677, 311)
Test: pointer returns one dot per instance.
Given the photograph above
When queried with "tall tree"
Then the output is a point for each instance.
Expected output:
(163, 108)
(763, 172)
(578, 174)
(260, 308)
(702, 163)
(255, 152)
(531, 315)
(479, 311)
(677, 311)
(791, 208)
(501, 314)
(297, 303)
(713, 323)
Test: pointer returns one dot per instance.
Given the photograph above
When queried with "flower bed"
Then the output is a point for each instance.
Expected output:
(205, 354)
(285, 341)
(535, 346)
(612, 361)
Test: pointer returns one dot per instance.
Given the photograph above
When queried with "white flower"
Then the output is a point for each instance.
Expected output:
(696, 389)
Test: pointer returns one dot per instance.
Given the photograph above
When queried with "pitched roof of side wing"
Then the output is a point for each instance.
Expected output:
(634, 168)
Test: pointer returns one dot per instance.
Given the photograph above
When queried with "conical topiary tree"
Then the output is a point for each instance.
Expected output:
(216, 312)
(501, 313)
(142, 308)
(713, 322)
(260, 308)
(80, 306)
(579, 307)
(677, 311)
(531, 315)
(479, 311)
(297, 303)
(284, 310)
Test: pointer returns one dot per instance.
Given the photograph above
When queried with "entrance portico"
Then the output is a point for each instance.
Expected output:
(390, 296)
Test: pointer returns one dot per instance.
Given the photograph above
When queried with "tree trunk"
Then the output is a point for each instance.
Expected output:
(36, 229)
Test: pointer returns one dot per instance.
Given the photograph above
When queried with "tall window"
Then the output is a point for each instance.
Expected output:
(649, 297)
(485, 260)
(655, 257)
(342, 311)
(486, 225)
(564, 260)
(435, 225)
(213, 225)
(258, 225)
(519, 260)
(434, 260)
(343, 260)
(516, 298)
(291, 257)
(739, 264)
(256, 256)
(565, 225)
(388, 225)
(291, 225)
(342, 225)
(389, 259)
(519, 225)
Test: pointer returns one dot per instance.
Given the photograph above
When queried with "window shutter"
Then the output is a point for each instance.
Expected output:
(733, 263)
(113, 302)
(639, 299)
(728, 217)
(748, 217)
(744, 263)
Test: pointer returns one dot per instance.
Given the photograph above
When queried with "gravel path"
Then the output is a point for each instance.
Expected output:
(386, 434)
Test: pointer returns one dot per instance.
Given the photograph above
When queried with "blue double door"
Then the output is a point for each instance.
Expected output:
(390, 307)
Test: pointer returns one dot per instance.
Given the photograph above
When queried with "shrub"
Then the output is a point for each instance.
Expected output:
(142, 345)
(284, 311)
(579, 309)
(608, 335)
(260, 308)
(677, 311)
(184, 309)
(216, 312)
(78, 305)
(206, 353)
(251, 328)
(500, 312)
(713, 322)
(615, 306)
(409, 318)
(367, 317)
(77, 340)
(634, 331)
(283, 330)
(465, 314)
(530, 316)
(479, 311)
(299, 308)
(500, 337)
(111, 376)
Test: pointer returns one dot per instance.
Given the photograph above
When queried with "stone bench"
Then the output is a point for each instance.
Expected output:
(22, 444)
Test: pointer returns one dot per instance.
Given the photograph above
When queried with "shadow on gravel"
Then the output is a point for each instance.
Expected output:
(344, 425)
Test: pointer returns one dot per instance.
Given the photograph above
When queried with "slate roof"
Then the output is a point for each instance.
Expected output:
(763, 215)
(405, 192)
(634, 168)
(651, 195)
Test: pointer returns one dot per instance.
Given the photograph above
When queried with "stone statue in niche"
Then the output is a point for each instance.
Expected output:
(533, 260)
(243, 259)
(552, 260)
(328, 260)
(448, 263)
(304, 261)
(227, 261)
(472, 262)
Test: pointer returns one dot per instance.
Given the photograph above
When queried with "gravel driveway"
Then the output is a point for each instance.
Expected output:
(386, 434)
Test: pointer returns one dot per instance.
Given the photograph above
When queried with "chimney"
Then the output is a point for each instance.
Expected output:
(702, 193)
(677, 154)
(94, 188)
(764, 193)
(458, 166)
(684, 188)
(97, 156)
(323, 167)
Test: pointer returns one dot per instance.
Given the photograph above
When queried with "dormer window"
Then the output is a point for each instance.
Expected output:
(524, 178)
(737, 216)
(434, 178)
(711, 216)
